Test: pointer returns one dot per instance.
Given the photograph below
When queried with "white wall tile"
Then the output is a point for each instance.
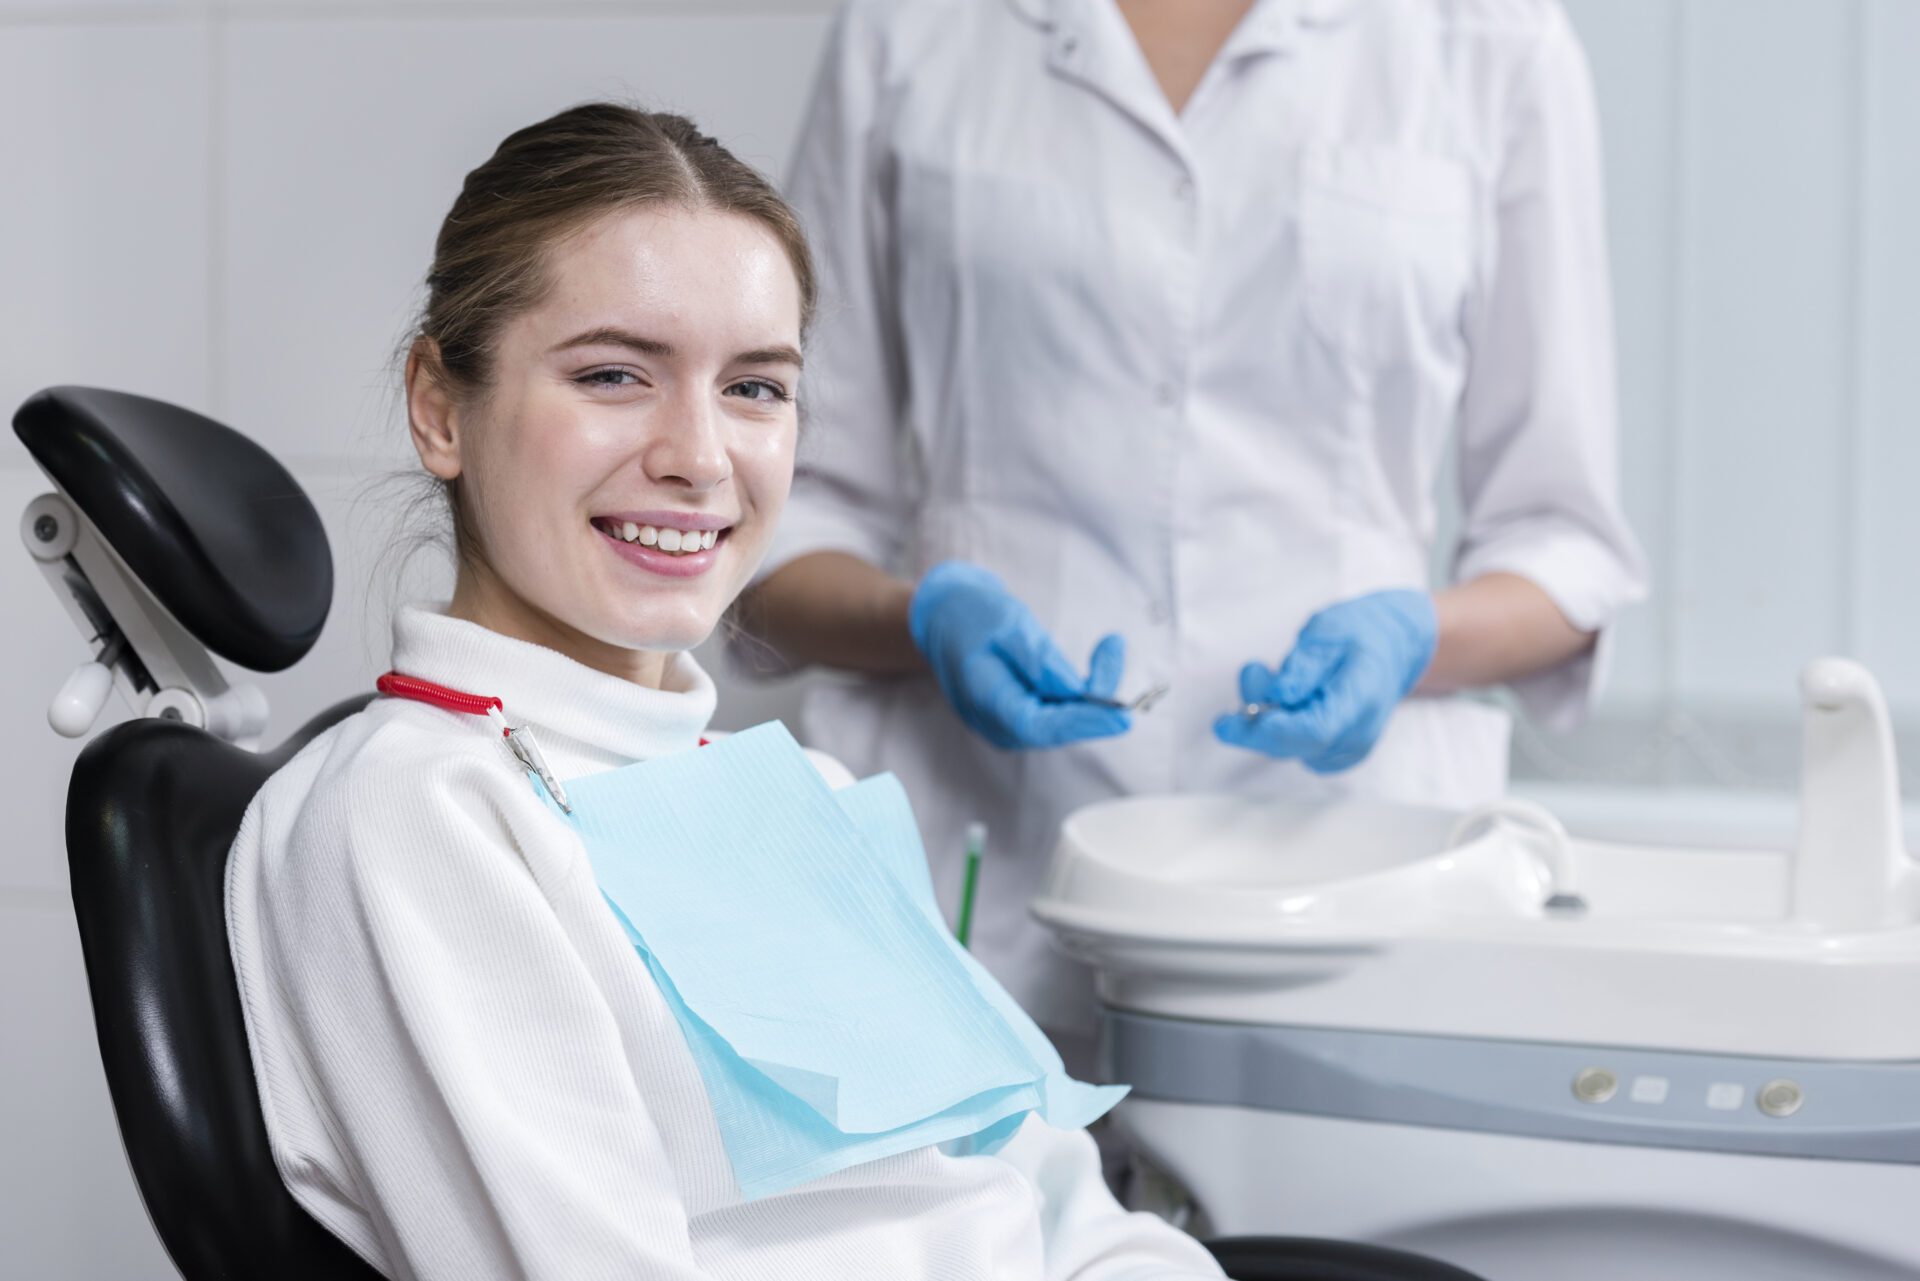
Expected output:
(345, 143)
(98, 13)
(1888, 582)
(463, 9)
(1767, 207)
(68, 1205)
(1632, 47)
(103, 223)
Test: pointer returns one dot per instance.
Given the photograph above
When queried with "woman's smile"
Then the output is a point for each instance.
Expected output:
(677, 545)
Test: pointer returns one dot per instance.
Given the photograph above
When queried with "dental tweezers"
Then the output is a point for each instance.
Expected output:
(1144, 703)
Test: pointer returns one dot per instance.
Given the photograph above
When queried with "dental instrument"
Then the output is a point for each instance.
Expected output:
(1140, 703)
(1332, 696)
(1000, 669)
(976, 845)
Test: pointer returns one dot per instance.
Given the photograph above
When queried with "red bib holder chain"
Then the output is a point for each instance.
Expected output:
(519, 738)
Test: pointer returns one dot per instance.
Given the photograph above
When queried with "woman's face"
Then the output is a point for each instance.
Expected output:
(624, 470)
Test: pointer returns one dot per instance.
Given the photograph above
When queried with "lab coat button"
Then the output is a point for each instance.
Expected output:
(1166, 394)
(1157, 612)
(1183, 190)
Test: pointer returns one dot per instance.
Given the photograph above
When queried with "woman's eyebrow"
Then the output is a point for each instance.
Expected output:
(611, 337)
(780, 355)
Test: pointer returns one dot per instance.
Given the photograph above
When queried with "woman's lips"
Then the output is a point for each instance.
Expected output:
(666, 564)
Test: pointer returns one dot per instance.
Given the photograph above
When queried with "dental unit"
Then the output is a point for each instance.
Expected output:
(1525, 1052)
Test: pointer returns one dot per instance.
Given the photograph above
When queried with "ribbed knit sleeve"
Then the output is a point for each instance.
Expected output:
(1088, 1236)
(470, 1065)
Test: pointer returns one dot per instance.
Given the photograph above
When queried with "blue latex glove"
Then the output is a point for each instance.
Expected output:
(1330, 699)
(1001, 671)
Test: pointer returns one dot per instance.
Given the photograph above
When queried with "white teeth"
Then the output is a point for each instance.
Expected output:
(679, 541)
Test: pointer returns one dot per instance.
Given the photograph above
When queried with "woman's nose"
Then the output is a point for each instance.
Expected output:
(690, 448)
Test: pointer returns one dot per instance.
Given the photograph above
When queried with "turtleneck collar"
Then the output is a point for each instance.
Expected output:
(587, 721)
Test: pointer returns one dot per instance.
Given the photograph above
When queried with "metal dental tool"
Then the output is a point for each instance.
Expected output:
(1143, 703)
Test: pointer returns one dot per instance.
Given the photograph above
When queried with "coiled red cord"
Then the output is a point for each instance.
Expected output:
(440, 696)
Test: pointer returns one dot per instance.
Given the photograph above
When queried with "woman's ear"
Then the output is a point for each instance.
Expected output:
(432, 414)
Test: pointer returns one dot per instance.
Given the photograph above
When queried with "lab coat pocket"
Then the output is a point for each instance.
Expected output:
(1386, 249)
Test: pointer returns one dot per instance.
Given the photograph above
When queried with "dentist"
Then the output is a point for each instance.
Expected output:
(1156, 321)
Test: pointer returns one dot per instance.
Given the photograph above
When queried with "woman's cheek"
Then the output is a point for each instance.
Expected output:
(763, 463)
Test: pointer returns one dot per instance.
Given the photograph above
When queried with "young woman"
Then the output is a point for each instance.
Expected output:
(472, 1065)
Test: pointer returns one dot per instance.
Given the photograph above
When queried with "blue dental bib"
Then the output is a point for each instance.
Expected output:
(794, 934)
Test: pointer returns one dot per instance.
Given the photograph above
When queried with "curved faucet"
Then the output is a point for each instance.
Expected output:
(1850, 867)
(1553, 847)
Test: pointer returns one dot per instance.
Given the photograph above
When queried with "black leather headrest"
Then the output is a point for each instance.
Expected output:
(151, 812)
(215, 528)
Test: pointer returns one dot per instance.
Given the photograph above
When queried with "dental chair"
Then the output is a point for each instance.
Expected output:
(169, 539)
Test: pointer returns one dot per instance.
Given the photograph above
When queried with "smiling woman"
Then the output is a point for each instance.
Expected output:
(604, 380)
(482, 1010)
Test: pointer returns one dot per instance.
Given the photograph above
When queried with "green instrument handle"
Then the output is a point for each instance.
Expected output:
(965, 926)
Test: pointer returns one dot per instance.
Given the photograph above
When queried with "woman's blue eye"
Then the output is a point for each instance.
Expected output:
(774, 391)
(606, 378)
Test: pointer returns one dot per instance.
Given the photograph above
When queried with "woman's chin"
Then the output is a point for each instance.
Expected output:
(669, 633)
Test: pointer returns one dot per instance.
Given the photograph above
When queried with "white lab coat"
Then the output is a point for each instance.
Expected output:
(1192, 379)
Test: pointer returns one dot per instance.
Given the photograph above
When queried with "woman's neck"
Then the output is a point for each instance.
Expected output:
(480, 597)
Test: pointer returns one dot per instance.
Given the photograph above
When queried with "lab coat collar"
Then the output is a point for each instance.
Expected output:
(1271, 27)
(1087, 41)
(585, 718)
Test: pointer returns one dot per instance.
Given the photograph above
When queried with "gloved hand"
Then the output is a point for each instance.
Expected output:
(1330, 699)
(1001, 672)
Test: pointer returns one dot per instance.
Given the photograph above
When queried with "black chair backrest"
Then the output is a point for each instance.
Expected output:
(207, 520)
(151, 812)
(225, 539)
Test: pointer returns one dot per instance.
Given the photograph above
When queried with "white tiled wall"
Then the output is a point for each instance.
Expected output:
(1763, 186)
(228, 204)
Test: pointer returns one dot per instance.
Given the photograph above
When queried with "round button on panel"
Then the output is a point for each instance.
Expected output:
(1595, 1085)
(1780, 1098)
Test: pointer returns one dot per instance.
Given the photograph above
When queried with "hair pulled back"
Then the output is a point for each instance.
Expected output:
(543, 184)
(551, 179)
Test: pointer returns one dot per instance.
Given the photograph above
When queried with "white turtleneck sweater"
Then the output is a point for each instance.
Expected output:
(467, 1072)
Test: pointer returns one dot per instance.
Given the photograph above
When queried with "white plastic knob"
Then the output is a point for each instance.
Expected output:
(77, 706)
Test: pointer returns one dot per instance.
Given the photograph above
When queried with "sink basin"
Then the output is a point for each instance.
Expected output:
(1358, 915)
(1367, 915)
